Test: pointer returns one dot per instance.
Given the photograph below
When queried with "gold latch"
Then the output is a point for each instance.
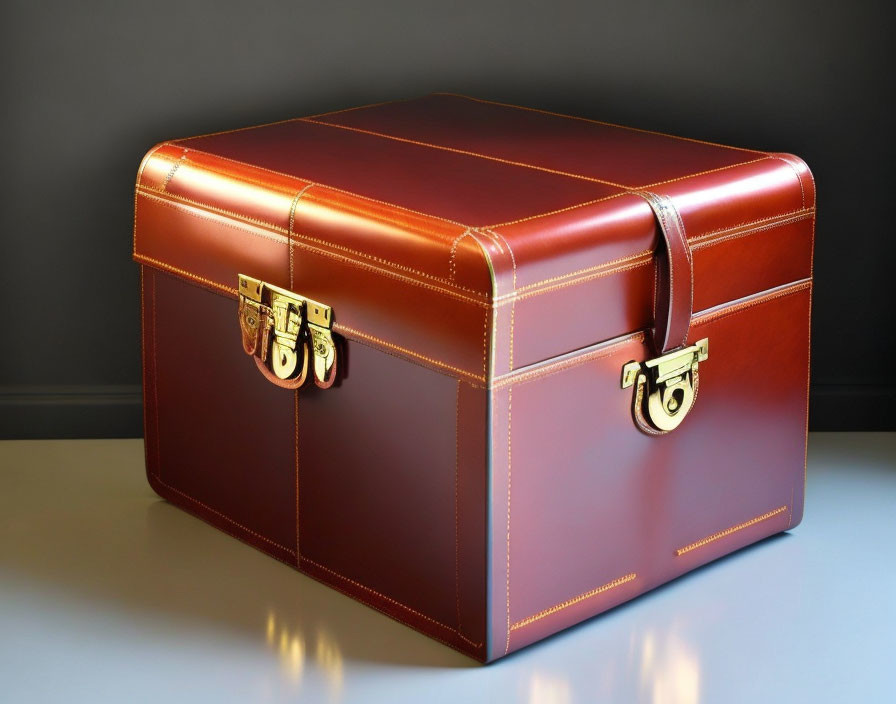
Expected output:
(285, 330)
(665, 387)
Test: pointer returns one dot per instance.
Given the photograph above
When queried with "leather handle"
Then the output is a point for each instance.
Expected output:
(674, 294)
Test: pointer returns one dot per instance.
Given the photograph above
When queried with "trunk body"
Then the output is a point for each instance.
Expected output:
(476, 471)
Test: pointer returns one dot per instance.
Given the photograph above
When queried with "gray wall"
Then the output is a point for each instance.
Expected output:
(89, 86)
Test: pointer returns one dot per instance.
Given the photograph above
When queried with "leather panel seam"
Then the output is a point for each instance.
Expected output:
(618, 582)
(728, 531)
(388, 599)
(297, 238)
(465, 152)
(354, 335)
(598, 122)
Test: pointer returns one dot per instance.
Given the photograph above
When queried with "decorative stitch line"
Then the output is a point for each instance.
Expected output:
(378, 594)
(333, 255)
(456, 528)
(332, 188)
(598, 122)
(465, 152)
(575, 600)
(633, 188)
(298, 238)
(728, 531)
(710, 315)
(521, 376)
(404, 350)
(363, 599)
(509, 464)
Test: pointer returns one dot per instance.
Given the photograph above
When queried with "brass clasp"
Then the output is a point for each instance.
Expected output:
(665, 387)
(289, 329)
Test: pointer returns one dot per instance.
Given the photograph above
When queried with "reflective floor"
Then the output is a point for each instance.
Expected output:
(109, 594)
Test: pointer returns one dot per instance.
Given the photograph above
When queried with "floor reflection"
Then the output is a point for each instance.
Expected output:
(669, 669)
(295, 650)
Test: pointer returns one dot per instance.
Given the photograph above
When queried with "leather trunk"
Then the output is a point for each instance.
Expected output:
(476, 470)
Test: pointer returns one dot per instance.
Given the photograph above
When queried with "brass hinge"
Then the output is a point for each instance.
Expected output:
(665, 387)
(287, 333)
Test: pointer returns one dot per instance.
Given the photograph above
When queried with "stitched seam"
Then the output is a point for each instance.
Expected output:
(332, 188)
(379, 215)
(378, 594)
(575, 600)
(298, 237)
(492, 274)
(404, 350)
(174, 167)
(586, 270)
(703, 173)
(155, 382)
(279, 122)
(158, 463)
(697, 243)
(359, 107)
(186, 274)
(780, 219)
(225, 517)
(554, 212)
(687, 251)
(517, 378)
(790, 512)
(495, 236)
(292, 220)
(728, 531)
(238, 129)
(724, 313)
(584, 279)
(452, 263)
(809, 346)
(509, 464)
(617, 195)
(143, 353)
(599, 122)
(379, 345)
(365, 600)
(659, 211)
(280, 189)
(323, 252)
(796, 173)
(143, 165)
(456, 529)
(710, 240)
(336, 326)
(465, 152)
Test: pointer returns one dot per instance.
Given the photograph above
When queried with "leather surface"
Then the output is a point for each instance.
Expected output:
(600, 500)
(477, 474)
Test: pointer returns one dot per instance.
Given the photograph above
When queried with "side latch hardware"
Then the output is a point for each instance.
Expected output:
(665, 388)
(288, 334)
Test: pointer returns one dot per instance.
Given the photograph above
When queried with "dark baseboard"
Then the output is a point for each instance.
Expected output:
(71, 412)
(852, 407)
(117, 411)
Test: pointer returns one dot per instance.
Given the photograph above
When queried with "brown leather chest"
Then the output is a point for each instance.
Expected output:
(489, 370)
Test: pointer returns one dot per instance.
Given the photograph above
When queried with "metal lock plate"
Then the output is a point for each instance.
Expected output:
(665, 388)
(290, 329)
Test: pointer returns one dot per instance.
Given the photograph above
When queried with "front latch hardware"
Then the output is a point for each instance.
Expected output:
(285, 332)
(665, 387)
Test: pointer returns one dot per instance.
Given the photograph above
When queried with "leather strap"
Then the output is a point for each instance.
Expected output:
(674, 293)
